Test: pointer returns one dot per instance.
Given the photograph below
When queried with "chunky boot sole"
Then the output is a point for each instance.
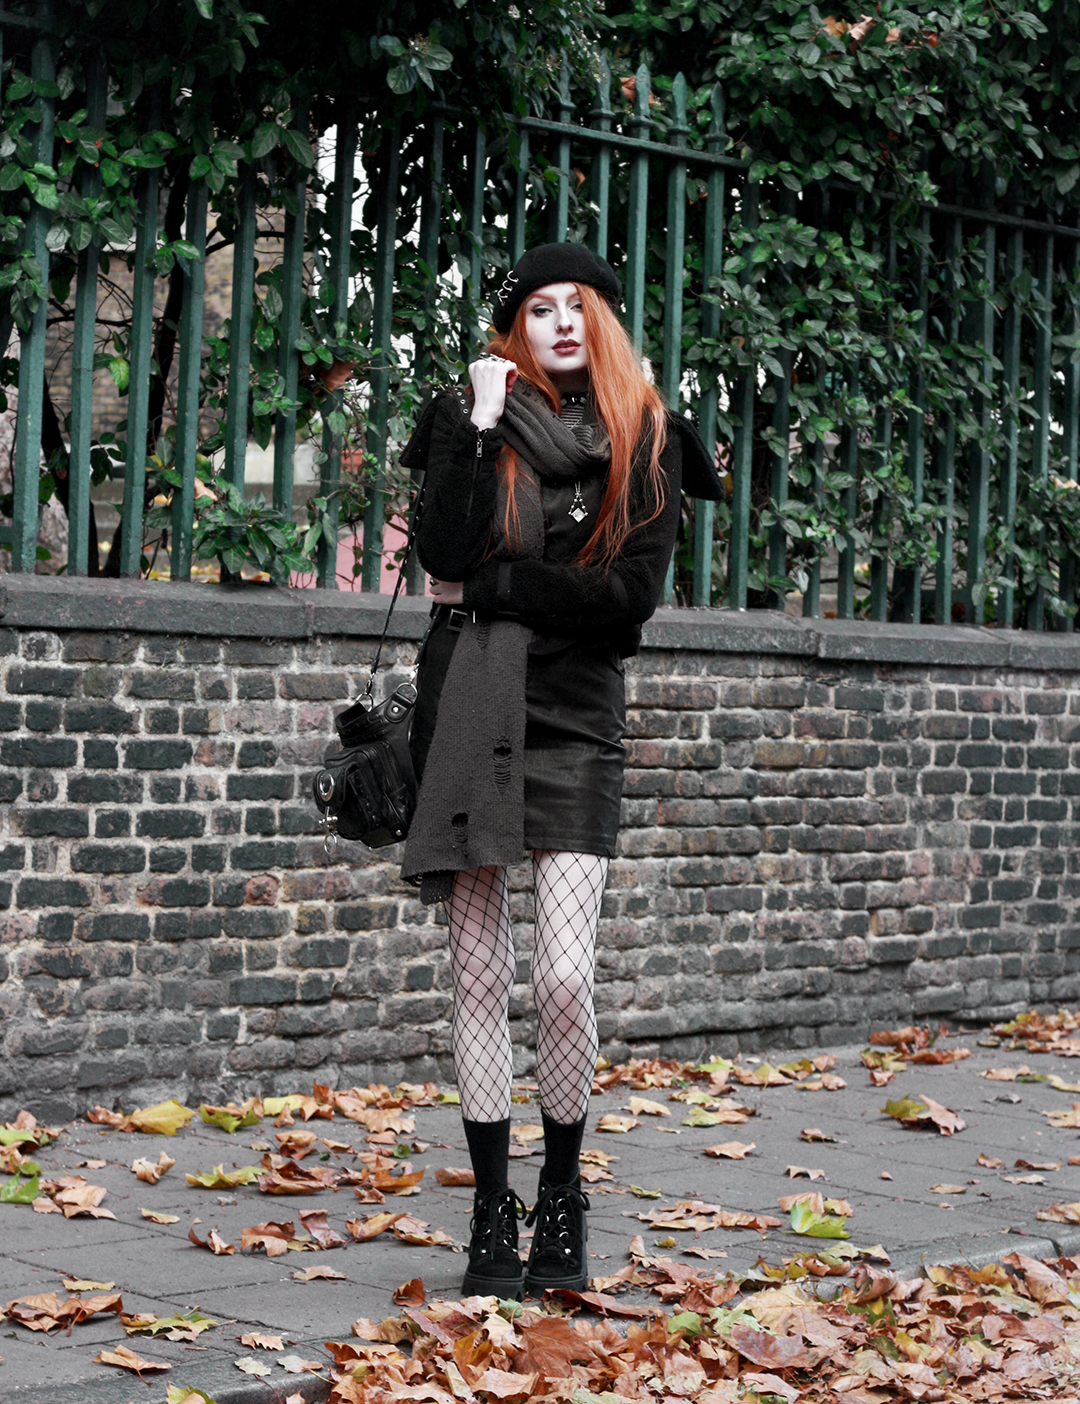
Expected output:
(475, 1284)
(569, 1282)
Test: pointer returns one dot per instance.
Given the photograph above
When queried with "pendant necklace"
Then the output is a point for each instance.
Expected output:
(578, 510)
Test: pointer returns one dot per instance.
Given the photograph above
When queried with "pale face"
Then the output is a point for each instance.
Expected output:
(555, 326)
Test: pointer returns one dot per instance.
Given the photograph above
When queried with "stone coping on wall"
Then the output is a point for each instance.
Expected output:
(257, 611)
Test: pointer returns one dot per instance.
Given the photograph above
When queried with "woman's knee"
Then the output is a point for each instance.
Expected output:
(563, 987)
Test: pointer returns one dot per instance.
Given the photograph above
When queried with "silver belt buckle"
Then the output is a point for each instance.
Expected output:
(457, 619)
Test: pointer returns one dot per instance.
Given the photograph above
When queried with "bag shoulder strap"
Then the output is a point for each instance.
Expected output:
(410, 542)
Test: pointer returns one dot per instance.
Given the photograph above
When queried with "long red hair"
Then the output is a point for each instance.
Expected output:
(627, 404)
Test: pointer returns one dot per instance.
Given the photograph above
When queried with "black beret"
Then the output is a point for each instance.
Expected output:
(552, 263)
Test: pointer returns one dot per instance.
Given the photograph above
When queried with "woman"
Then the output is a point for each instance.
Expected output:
(552, 500)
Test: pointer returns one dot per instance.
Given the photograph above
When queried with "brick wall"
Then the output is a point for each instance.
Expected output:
(825, 827)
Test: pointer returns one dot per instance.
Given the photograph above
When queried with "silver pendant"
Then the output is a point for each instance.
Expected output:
(578, 510)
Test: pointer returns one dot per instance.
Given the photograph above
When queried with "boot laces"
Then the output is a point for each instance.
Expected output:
(494, 1221)
(557, 1216)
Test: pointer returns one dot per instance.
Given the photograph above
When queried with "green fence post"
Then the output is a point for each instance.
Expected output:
(187, 389)
(243, 300)
(674, 274)
(883, 440)
(82, 346)
(520, 208)
(1070, 439)
(292, 296)
(911, 603)
(1040, 428)
(334, 402)
(812, 598)
(637, 232)
(712, 265)
(743, 448)
(559, 208)
(1010, 360)
(780, 469)
(600, 176)
(849, 464)
(945, 450)
(381, 324)
(981, 334)
(430, 213)
(27, 469)
(142, 343)
(472, 337)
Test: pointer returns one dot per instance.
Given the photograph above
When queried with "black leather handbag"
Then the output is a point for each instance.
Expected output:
(366, 791)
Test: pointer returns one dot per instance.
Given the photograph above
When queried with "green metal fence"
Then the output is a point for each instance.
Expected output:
(988, 279)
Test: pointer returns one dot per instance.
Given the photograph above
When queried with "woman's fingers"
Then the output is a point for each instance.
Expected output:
(446, 591)
(492, 378)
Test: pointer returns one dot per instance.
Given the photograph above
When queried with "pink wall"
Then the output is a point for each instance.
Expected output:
(393, 540)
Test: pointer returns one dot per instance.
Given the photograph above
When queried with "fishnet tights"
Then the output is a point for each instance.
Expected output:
(569, 887)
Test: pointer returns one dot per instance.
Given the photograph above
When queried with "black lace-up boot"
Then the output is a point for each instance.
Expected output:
(558, 1254)
(494, 1266)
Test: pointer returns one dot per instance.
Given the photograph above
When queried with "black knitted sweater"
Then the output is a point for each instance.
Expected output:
(553, 596)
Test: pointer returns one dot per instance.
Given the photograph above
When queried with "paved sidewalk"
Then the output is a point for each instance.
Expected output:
(158, 1270)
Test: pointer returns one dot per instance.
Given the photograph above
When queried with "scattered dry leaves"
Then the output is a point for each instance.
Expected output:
(731, 1150)
(273, 1237)
(213, 1241)
(923, 1111)
(45, 1311)
(156, 1217)
(610, 1121)
(74, 1198)
(126, 1359)
(150, 1171)
(255, 1341)
(312, 1274)
(163, 1119)
(450, 1175)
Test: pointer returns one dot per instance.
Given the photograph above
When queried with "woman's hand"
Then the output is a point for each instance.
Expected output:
(446, 592)
(492, 380)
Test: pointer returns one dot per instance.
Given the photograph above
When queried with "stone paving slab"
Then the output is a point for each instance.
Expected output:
(157, 1269)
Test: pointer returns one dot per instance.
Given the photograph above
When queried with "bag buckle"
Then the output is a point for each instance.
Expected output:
(330, 837)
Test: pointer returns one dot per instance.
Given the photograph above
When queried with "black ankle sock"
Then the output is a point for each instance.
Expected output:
(562, 1146)
(489, 1150)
